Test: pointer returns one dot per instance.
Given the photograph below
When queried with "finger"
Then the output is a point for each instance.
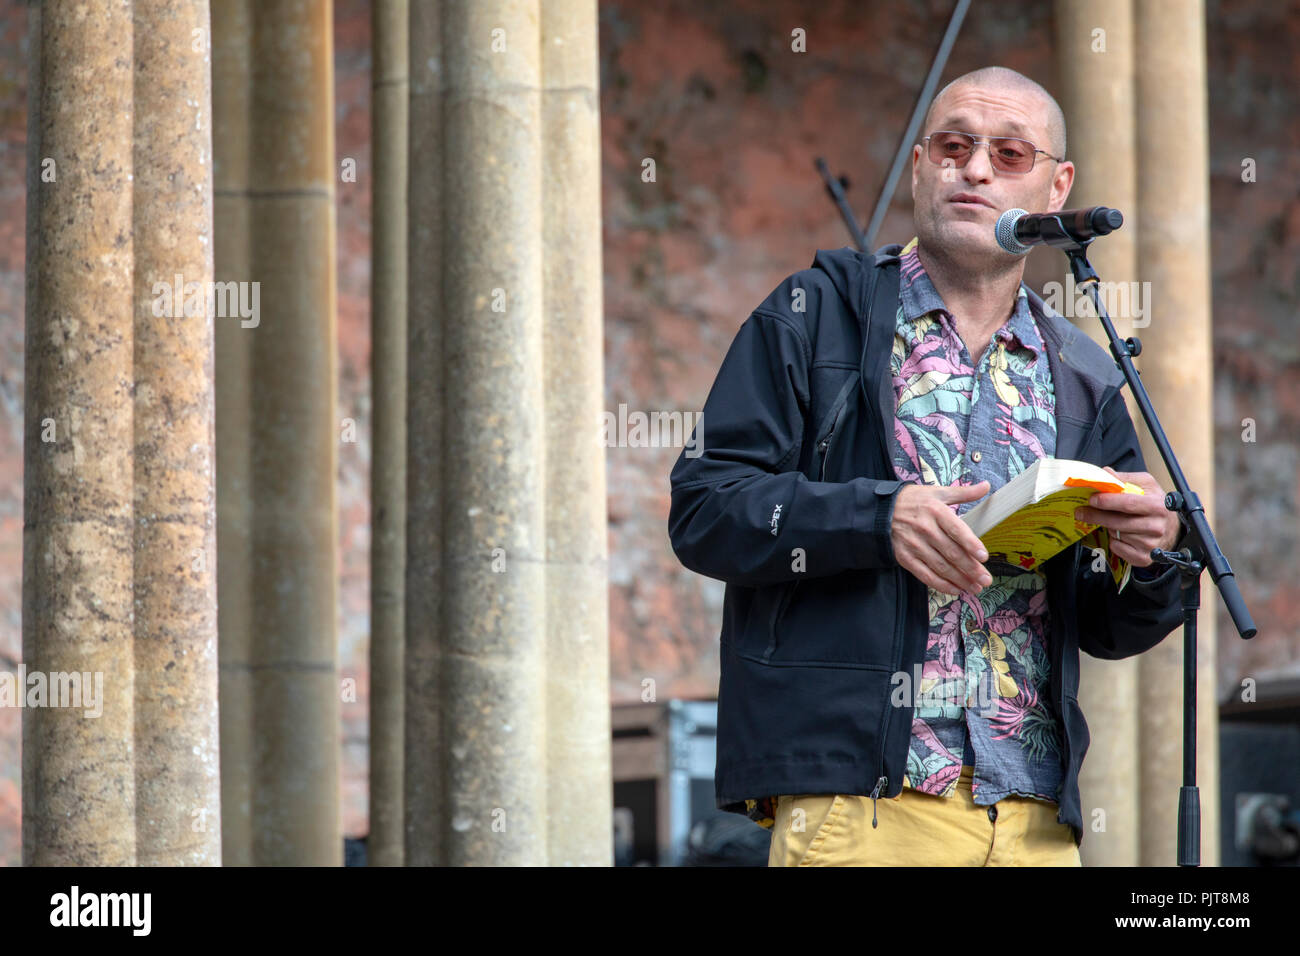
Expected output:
(1125, 503)
(960, 532)
(1143, 534)
(1126, 475)
(1136, 553)
(946, 577)
(1113, 521)
(922, 561)
(956, 493)
(962, 568)
(932, 568)
(965, 566)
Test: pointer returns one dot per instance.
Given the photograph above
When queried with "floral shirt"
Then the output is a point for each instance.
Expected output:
(983, 697)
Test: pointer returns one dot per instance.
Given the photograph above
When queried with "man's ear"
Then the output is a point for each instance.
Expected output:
(1062, 183)
(916, 158)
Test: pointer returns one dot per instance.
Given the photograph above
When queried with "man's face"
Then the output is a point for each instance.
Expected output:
(955, 209)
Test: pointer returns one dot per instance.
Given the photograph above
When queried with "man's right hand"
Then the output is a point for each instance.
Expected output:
(933, 543)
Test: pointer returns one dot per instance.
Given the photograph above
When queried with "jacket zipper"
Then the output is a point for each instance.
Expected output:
(781, 605)
(1097, 421)
(882, 782)
(838, 412)
(824, 448)
(874, 793)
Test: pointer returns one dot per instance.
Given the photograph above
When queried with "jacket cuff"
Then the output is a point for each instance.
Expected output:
(1151, 583)
(873, 544)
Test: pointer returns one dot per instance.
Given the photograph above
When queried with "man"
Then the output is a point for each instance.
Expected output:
(862, 406)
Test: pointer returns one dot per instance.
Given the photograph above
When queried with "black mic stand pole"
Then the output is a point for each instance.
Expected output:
(1202, 550)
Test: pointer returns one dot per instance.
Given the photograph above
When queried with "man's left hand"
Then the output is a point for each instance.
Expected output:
(1142, 521)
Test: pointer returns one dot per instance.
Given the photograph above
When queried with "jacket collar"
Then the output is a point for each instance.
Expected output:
(1073, 348)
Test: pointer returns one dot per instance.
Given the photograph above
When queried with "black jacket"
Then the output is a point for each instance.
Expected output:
(791, 458)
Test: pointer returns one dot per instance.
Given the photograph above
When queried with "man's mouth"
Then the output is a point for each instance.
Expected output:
(970, 199)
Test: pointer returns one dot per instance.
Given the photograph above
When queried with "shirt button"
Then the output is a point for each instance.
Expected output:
(993, 813)
(975, 456)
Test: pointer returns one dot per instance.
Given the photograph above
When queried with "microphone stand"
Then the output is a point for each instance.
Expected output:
(1202, 550)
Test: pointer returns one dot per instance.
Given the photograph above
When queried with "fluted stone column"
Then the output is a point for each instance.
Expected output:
(577, 606)
(1174, 256)
(232, 85)
(423, 749)
(507, 704)
(389, 46)
(1094, 55)
(177, 784)
(119, 569)
(290, 755)
(493, 467)
(79, 797)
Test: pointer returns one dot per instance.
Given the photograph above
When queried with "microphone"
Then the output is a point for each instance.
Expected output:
(1018, 231)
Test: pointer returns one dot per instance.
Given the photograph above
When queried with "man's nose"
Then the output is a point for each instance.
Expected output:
(979, 168)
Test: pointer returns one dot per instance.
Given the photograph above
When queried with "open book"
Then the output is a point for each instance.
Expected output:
(1031, 517)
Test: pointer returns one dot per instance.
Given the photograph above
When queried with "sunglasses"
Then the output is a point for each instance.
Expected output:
(1006, 153)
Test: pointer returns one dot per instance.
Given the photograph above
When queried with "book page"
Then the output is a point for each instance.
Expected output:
(1038, 531)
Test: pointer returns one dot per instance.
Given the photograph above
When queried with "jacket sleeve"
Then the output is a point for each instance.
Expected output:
(739, 508)
(1114, 625)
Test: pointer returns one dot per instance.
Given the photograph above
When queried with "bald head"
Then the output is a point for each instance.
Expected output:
(999, 79)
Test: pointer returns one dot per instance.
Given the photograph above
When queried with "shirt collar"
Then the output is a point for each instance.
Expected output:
(919, 297)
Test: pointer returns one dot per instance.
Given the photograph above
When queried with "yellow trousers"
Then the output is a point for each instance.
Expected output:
(919, 829)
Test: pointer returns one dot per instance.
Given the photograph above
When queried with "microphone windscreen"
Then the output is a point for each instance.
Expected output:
(1005, 231)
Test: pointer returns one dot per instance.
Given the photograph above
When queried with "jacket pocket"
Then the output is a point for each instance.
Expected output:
(782, 602)
(831, 425)
(845, 618)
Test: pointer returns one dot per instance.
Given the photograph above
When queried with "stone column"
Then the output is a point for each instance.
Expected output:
(294, 435)
(79, 796)
(389, 49)
(1174, 256)
(231, 92)
(577, 652)
(493, 467)
(1094, 54)
(119, 570)
(423, 748)
(177, 785)
(289, 753)
(507, 704)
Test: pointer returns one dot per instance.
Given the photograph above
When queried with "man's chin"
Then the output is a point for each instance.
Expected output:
(962, 238)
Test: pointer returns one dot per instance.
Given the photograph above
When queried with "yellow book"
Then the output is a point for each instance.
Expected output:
(1031, 517)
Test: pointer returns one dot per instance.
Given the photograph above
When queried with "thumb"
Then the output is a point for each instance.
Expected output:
(952, 493)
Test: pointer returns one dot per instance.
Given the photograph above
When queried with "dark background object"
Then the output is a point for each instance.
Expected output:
(1259, 759)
